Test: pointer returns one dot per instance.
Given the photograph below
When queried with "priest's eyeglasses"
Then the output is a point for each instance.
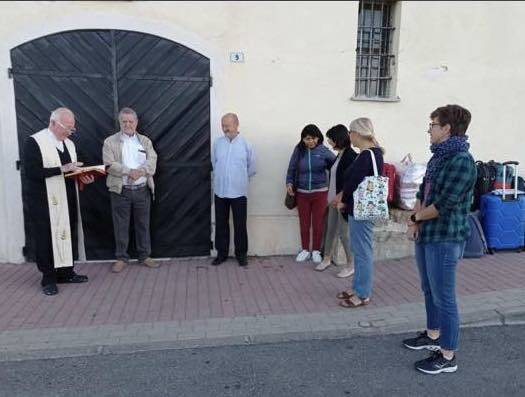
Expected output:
(70, 130)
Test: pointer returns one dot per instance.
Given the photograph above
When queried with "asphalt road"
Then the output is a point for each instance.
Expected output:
(491, 363)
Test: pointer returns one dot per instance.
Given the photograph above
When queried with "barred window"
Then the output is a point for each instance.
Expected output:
(375, 58)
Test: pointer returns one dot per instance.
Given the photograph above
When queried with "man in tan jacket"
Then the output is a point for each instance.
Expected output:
(132, 162)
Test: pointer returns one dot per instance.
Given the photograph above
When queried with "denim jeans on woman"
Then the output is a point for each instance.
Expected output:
(362, 242)
(437, 268)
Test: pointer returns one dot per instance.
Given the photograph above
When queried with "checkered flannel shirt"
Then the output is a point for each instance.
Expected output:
(451, 194)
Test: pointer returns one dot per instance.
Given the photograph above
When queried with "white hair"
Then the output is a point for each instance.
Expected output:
(58, 112)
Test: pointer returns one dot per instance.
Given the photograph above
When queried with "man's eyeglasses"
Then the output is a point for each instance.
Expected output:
(431, 125)
(70, 130)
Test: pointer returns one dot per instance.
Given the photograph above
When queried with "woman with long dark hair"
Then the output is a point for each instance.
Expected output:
(307, 179)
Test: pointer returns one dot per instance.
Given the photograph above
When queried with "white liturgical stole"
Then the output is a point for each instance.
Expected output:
(57, 202)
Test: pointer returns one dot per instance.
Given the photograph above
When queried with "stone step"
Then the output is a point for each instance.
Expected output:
(390, 241)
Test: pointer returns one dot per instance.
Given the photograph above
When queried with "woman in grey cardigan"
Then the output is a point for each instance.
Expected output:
(336, 226)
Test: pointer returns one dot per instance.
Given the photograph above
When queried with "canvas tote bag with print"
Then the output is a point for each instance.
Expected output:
(370, 197)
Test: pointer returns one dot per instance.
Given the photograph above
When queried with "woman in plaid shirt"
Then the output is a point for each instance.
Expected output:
(440, 228)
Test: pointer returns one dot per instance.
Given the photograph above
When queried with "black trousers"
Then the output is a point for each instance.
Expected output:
(41, 230)
(222, 225)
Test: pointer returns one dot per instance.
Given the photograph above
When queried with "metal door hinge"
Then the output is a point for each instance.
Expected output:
(9, 73)
(18, 164)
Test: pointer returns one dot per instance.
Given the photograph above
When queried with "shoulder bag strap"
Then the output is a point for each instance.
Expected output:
(373, 162)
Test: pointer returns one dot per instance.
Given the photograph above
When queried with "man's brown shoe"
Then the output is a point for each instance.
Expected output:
(150, 263)
(118, 266)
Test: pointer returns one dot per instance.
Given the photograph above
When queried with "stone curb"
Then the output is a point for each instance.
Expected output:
(501, 308)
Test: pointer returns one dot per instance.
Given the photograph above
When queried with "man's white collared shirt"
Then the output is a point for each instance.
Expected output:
(133, 156)
(59, 144)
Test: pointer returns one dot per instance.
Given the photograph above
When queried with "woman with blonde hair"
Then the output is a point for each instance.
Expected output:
(362, 136)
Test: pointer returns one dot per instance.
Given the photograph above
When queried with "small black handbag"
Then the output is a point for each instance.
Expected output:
(289, 201)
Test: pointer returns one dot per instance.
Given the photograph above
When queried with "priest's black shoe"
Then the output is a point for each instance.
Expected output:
(50, 289)
(73, 278)
(217, 261)
(243, 261)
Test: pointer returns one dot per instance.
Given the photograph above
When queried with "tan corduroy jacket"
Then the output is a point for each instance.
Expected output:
(112, 156)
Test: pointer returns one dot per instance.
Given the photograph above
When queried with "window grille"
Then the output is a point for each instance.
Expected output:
(375, 60)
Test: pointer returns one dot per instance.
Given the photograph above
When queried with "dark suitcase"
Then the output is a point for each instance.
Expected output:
(476, 245)
(490, 177)
(503, 171)
(520, 184)
(503, 217)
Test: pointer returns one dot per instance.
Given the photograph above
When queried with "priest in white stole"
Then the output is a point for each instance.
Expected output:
(52, 200)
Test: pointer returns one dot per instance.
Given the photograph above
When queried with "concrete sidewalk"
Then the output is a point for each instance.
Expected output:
(188, 303)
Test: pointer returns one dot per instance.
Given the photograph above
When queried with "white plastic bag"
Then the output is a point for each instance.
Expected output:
(409, 177)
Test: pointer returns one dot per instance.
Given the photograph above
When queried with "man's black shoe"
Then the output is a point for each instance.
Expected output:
(217, 261)
(422, 341)
(243, 261)
(74, 278)
(436, 364)
(50, 289)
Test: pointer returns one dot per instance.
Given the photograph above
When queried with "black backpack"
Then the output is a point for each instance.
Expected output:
(486, 176)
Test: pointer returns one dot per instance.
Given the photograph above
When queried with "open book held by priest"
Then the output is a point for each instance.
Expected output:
(95, 171)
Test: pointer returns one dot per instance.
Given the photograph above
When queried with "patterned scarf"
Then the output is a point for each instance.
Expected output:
(444, 151)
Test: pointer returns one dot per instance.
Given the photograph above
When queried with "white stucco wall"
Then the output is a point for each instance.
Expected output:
(299, 69)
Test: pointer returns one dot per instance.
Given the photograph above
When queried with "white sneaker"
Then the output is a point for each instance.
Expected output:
(302, 256)
(323, 265)
(316, 257)
(345, 272)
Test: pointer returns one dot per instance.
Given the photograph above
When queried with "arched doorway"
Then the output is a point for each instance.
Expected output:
(95, 73)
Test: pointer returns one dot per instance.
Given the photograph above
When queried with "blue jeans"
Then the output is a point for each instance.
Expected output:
(436, 263)
(362, 242)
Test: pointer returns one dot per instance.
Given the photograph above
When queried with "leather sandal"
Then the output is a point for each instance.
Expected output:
(349, 303)
(344, 295)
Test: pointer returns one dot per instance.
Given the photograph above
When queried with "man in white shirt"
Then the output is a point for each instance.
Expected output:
(233, 160)
(132, 162)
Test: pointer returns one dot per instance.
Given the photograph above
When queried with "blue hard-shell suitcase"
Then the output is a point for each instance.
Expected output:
(503, 217)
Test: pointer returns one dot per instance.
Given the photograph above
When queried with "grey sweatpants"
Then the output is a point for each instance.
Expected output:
(336, 229)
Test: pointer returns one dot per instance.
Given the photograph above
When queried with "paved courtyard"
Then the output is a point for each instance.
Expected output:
(189, 300)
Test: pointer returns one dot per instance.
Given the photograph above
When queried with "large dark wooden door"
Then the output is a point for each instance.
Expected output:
(97, 72)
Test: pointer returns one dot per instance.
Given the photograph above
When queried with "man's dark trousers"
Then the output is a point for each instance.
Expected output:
(136, 203)
(222, 226)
